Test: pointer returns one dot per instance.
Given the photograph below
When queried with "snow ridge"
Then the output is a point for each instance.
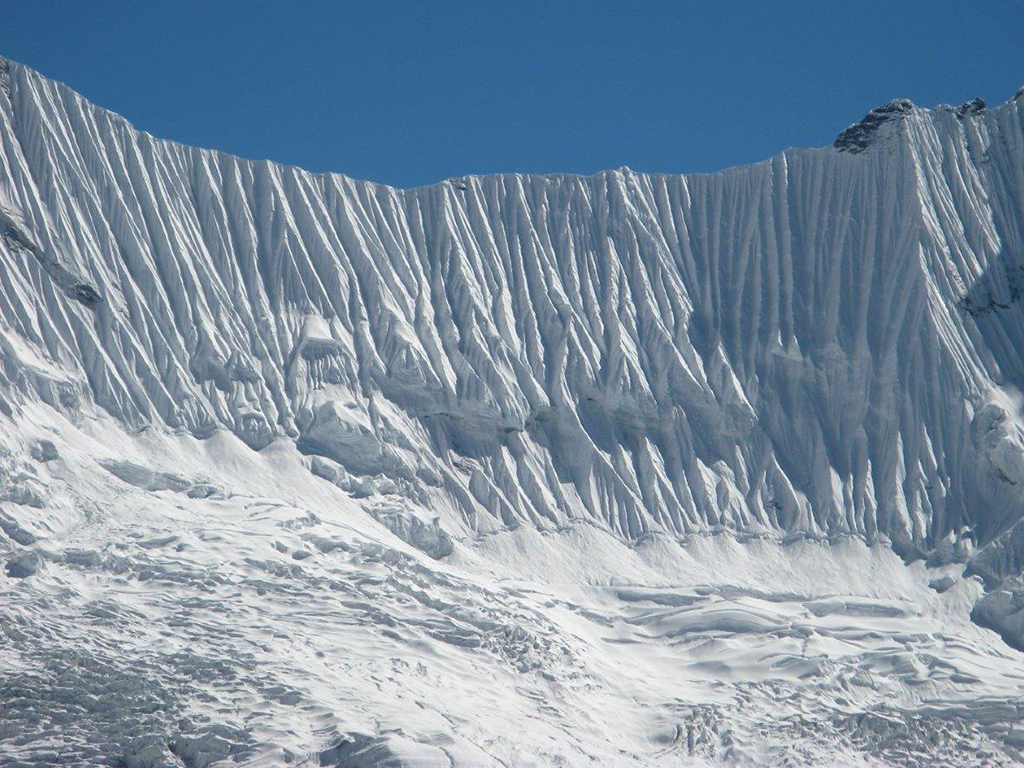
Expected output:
(776, 348)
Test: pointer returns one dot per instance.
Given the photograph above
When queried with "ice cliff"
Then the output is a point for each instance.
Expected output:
(827, 342)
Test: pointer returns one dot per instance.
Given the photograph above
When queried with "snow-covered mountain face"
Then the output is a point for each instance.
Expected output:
(812, 344)
(820, 343)
(489, 389)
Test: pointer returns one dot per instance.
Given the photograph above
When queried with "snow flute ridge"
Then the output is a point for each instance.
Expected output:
(824, 343)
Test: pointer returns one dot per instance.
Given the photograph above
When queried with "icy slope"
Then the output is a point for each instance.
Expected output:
(272, 624)
(808, 344)
(301, 469)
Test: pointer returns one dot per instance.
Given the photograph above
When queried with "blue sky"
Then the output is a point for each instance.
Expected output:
(412, 92)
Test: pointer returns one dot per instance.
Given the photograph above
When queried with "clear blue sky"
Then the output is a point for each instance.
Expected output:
(412, 92)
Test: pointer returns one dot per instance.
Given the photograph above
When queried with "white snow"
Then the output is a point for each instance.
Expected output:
(510, 470)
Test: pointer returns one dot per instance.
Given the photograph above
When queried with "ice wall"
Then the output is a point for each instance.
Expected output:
(826, 342)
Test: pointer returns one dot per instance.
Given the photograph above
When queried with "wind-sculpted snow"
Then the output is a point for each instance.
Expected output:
(489, 431)
(800, 345)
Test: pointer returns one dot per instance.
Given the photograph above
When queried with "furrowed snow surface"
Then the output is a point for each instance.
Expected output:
(512, 470)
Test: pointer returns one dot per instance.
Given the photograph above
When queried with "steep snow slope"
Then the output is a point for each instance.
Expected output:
(550, 384)
(807, 344)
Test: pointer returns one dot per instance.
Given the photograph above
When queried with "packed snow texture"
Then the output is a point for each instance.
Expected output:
(627, 469)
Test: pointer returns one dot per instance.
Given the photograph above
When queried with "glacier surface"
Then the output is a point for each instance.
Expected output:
(628, 469)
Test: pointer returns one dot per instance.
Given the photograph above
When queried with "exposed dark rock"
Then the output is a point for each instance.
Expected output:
(983, 300)
(16, 239)
(974, 107)
(859, 136)
(84, 293)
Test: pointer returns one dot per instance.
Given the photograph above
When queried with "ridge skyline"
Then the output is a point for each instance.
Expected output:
(447, 179)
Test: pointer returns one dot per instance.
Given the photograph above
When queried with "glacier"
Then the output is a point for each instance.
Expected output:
(627, 469)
